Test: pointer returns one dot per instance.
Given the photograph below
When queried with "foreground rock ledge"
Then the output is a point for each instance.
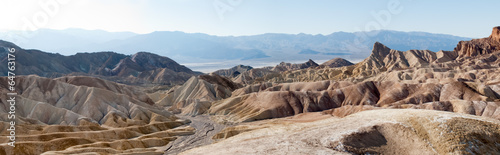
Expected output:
(386, 131)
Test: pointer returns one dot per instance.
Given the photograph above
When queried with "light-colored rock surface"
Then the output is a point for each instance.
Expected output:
(195, 96)
(294, 98)
(102, 102)
(388, 131)
(83, 115)
(393, 102)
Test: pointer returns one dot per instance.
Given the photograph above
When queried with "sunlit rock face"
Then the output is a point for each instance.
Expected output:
(482, 46)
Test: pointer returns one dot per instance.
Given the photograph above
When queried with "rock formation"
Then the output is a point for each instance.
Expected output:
(233, 72)
(495, 34)
(393, 102)
(140, 68)
(294, 98)
(76, 100)
(257, 75)
(386, 131)
(84, 114)
(196, 95)
(336, 62)
(283, 66)
(482, 46)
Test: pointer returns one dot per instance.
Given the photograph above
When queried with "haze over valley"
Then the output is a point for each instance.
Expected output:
(207, 53)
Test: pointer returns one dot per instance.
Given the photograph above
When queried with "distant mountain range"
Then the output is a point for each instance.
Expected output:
(139, 68)
(198, 45)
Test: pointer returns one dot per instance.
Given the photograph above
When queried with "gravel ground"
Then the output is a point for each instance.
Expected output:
(205, 129)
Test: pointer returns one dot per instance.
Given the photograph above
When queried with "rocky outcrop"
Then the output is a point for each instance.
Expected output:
(274, 101)
(255, 75)
(258, 75)
(386, 131)
(372, 107)
(384, 58)
(72, 115)
(495, 34)
(196, 95)
(482, 46)
(385, 64)
(283, 66)
(61, 139)
(140, 68)
(336, 62)
(77, 100)
(233, 72)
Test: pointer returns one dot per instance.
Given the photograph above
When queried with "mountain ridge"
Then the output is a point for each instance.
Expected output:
(164, 42)
(139, 68)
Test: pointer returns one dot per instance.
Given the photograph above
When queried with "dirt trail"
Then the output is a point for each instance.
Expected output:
(205, 129)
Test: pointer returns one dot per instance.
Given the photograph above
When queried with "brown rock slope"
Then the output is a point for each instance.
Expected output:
(387, 131)
(257, 75)
(336, 62)
(140, 68)
(387, 79)
(294, 98)
(482, 46)
(84, 114)
(478, 59)
(377, 105)
(233, 72)
(283, 66)
(195, 96)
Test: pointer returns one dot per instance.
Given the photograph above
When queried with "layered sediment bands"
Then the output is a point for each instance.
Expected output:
(392, 65)
(71, 115)
(482, 46)
(257, 106)
(336, 62)
(57, 139)
(272, 101)
(385, 131)
(479, 108)
(195, 96)
(71, 100)
(107, 85)
(257, 75)
(377, 97)
(233, 72)
(283, 66)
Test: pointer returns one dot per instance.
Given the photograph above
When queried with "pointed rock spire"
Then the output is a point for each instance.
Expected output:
(380, 50)
(495, 34)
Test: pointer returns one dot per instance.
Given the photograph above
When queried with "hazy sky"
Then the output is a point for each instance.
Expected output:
(247, 17)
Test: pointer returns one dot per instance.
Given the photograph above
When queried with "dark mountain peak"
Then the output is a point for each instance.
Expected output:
(243, 66)
(139, 68)
(311, 63)
(234, 71)
(7, 44)
(380, 50)
(144, 55)
(337, 62)
(150, 61)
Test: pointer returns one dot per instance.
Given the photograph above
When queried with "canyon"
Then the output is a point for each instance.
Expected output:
(392, 102)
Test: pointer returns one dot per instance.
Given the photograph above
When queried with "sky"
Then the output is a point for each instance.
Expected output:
(250, 17)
